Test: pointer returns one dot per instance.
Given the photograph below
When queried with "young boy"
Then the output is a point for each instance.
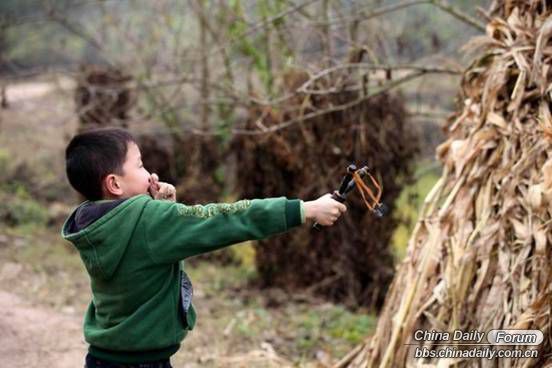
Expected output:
(132, 237)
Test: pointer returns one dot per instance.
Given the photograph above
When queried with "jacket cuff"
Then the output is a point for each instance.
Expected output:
(294, 215)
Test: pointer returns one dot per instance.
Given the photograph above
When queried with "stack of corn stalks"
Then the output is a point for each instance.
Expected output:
(479, 257)
(103, 97)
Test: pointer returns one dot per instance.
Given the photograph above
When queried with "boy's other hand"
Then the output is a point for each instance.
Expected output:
(161, 190)
(324, 210)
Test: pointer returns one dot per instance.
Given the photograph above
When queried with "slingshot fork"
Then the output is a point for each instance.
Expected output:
(352, 179)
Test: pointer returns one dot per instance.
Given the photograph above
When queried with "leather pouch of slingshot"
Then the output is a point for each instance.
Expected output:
(186, 308)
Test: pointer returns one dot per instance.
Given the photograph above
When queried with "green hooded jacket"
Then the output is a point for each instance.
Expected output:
(133, 250)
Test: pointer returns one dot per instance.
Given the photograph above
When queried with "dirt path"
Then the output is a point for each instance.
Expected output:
(32, 336)
(25, 91)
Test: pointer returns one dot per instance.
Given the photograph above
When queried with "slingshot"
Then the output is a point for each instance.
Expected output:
(353, 179)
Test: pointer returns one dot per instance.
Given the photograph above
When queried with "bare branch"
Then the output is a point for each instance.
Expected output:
(58, 18)
(262, 23)
(405, 67)
(286, 124)
(77, 31)
(375, 13)
(314, 114)
(443, 5)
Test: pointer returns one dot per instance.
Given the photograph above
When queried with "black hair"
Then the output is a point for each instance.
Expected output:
(94, 154)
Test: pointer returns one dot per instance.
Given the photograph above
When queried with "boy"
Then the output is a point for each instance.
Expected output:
(132, 237)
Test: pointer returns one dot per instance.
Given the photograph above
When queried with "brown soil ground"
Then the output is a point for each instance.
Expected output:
(35, 336)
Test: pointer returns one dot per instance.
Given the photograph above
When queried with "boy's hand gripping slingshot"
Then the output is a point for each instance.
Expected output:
(353, 179)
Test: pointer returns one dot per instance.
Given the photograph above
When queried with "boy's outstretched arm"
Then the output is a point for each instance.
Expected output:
(324, 210)
(174, 231)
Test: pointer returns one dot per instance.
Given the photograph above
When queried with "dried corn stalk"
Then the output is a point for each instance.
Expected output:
(479, 256)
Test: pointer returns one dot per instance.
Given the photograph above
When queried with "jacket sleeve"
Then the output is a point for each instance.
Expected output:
(174, 231)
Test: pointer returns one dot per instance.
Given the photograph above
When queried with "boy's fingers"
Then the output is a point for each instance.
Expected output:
(340, 207)
(167, 191)
(152, 191)
(154, 179)
(154, 183)
(164, 190)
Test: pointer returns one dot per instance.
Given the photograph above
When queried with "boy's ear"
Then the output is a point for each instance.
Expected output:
(112, 186)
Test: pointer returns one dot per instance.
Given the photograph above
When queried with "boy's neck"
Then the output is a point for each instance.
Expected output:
(107, 198)
(110, 197)
(104, 200)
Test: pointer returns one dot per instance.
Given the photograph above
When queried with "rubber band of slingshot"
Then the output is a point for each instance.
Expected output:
(364, 189)
(377, 185)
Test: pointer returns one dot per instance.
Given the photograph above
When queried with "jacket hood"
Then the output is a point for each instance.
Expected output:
(101, 232)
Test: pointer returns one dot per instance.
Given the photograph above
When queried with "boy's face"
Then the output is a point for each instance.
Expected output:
(135, 179)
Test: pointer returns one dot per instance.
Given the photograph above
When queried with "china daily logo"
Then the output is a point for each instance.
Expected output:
(494, 337)
(471, 344)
